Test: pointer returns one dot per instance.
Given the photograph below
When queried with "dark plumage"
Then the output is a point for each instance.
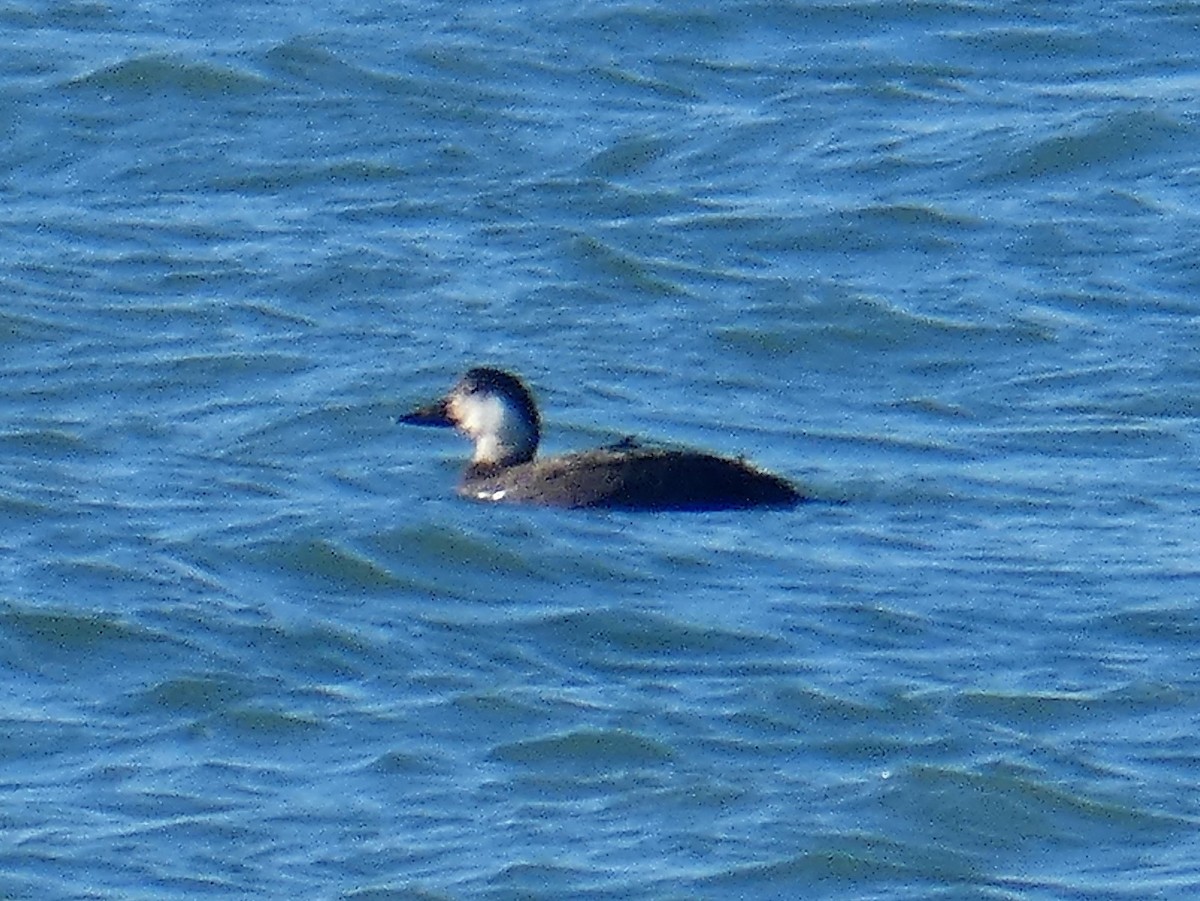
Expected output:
(498, 412)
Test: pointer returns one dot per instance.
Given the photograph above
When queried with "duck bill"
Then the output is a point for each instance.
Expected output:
(435, 414)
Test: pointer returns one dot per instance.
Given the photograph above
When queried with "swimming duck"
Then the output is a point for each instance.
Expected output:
(495, 410)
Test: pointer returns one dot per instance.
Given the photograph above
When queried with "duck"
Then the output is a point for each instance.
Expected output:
(497, 412)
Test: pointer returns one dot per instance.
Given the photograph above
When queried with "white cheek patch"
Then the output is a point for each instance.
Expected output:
(481, 415)
(499, 432)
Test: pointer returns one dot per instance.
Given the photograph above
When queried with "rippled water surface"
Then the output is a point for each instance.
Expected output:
(935, 261)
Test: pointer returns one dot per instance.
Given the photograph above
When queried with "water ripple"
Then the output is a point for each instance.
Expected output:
(933, 260)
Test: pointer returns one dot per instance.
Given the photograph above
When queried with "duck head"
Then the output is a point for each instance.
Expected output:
(492, 408)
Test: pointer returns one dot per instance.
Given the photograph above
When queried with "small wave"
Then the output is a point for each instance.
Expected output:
(63, 631)
(269, 724)
(1029, 710)
(328, 561)
(834, 330)
(494, 706)
(851, 860)
(627, 156)
(25, 327)
(630, 270)
(307, 60)
(440, 549)
(149, 75)
(1009, 807)
(406, 764)
(1030, 43)
(587, 749)
(198, 694)
(277, 177)
(1174, 625)
(1088, 440)
(648, 637)
(529, 879)
(45, 443)
(1099, 144)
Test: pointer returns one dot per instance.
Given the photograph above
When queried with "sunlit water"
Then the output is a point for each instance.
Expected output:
(934, 261)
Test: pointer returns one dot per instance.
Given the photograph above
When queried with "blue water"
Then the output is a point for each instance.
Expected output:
(935, 261)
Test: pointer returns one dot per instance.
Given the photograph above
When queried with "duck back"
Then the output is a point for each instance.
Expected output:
(633, 479)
